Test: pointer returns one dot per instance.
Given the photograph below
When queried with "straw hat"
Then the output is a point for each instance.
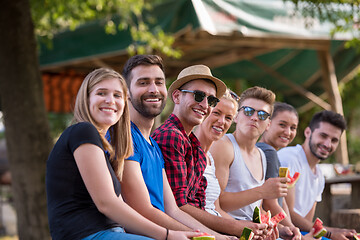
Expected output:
(197, 72)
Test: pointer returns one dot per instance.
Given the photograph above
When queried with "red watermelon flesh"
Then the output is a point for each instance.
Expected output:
(293, 179)
(277, 218)
(319, 228)
(265, 218)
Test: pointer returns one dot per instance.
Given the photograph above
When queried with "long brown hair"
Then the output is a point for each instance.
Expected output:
(120, 146)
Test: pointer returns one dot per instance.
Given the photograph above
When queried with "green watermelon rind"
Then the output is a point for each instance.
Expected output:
(319, 229)
(247, 234)
(320, 233)
(256, 215)
(357, 236)
(204, 238)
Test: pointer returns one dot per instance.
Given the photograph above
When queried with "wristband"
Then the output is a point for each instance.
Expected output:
(328, 234)
(167, 234)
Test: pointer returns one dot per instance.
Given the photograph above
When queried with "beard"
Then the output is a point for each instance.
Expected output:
(146, 111)
(313, 147)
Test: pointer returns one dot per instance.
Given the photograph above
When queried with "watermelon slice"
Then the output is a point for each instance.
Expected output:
(257, 215)
(261, 218)
(319, 228)
(247, 234)
(204, 236)
(357, 236)
(277, 218)
(284, 171)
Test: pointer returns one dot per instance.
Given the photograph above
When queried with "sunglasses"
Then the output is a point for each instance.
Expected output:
(249, 111)
(234, 96)
(199, 96)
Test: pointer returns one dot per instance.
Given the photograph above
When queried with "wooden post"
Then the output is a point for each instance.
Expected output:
(332, 89)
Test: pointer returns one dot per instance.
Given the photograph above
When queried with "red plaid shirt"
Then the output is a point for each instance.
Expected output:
(185, 162)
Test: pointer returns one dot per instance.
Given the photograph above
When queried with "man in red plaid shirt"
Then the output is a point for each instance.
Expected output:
(194, 93)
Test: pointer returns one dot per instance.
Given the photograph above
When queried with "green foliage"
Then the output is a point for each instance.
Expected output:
(53, 16)
(58, 122)
(343, 14)
(351, 99)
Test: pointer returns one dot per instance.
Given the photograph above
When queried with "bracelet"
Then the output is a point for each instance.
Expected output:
(167, 233)
(328, 234)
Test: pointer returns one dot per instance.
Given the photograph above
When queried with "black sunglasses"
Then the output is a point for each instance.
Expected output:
(200, 95)
(249, 111)
(234, 96)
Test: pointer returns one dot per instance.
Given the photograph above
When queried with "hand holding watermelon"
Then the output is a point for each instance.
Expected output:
(266, 218)
(285, 172)
(247, 234)
(319, 229)
(274, 188)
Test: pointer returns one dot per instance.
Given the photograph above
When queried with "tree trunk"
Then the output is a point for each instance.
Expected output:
(26, 125)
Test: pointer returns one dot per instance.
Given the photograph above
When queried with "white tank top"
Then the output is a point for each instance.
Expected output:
(213, 188)
(241, 179)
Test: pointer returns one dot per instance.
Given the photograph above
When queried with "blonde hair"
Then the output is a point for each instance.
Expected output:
(120, 146)
(231, 96)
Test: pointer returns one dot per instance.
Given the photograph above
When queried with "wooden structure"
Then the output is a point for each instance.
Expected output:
(304, 66)
(325, 209)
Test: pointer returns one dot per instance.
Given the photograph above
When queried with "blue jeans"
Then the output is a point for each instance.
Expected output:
(115, 234)
(323, 238)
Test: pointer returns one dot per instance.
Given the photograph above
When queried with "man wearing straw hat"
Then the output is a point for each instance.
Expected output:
(195, 92)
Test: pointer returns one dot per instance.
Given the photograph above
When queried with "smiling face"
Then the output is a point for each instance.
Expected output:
(190, 112)
(219, 120)
(251, 126)
(282, 130)
(106, 103)
(323, 141)
(148, 90)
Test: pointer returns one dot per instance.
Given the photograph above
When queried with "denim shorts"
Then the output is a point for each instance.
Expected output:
(114, 234)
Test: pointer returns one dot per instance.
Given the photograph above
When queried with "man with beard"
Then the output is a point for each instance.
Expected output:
(322, 137)
(144, 183)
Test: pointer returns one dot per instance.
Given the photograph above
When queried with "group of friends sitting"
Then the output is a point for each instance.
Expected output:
(110, 175)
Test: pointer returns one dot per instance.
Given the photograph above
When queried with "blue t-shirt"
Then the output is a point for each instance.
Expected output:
(152, 163)
(71, 210)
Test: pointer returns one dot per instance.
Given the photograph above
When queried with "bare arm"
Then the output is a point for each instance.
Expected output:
(136, 194)
(341, 233)
(275, 208)
(304, 223)
(92, 166)
(175, 212)
(93, 169)
(220, 224)
(223, 154)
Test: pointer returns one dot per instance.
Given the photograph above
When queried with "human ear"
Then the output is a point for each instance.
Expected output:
(307, 132)
(176, 96)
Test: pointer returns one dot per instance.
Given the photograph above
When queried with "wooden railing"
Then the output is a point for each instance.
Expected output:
(325, 207)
